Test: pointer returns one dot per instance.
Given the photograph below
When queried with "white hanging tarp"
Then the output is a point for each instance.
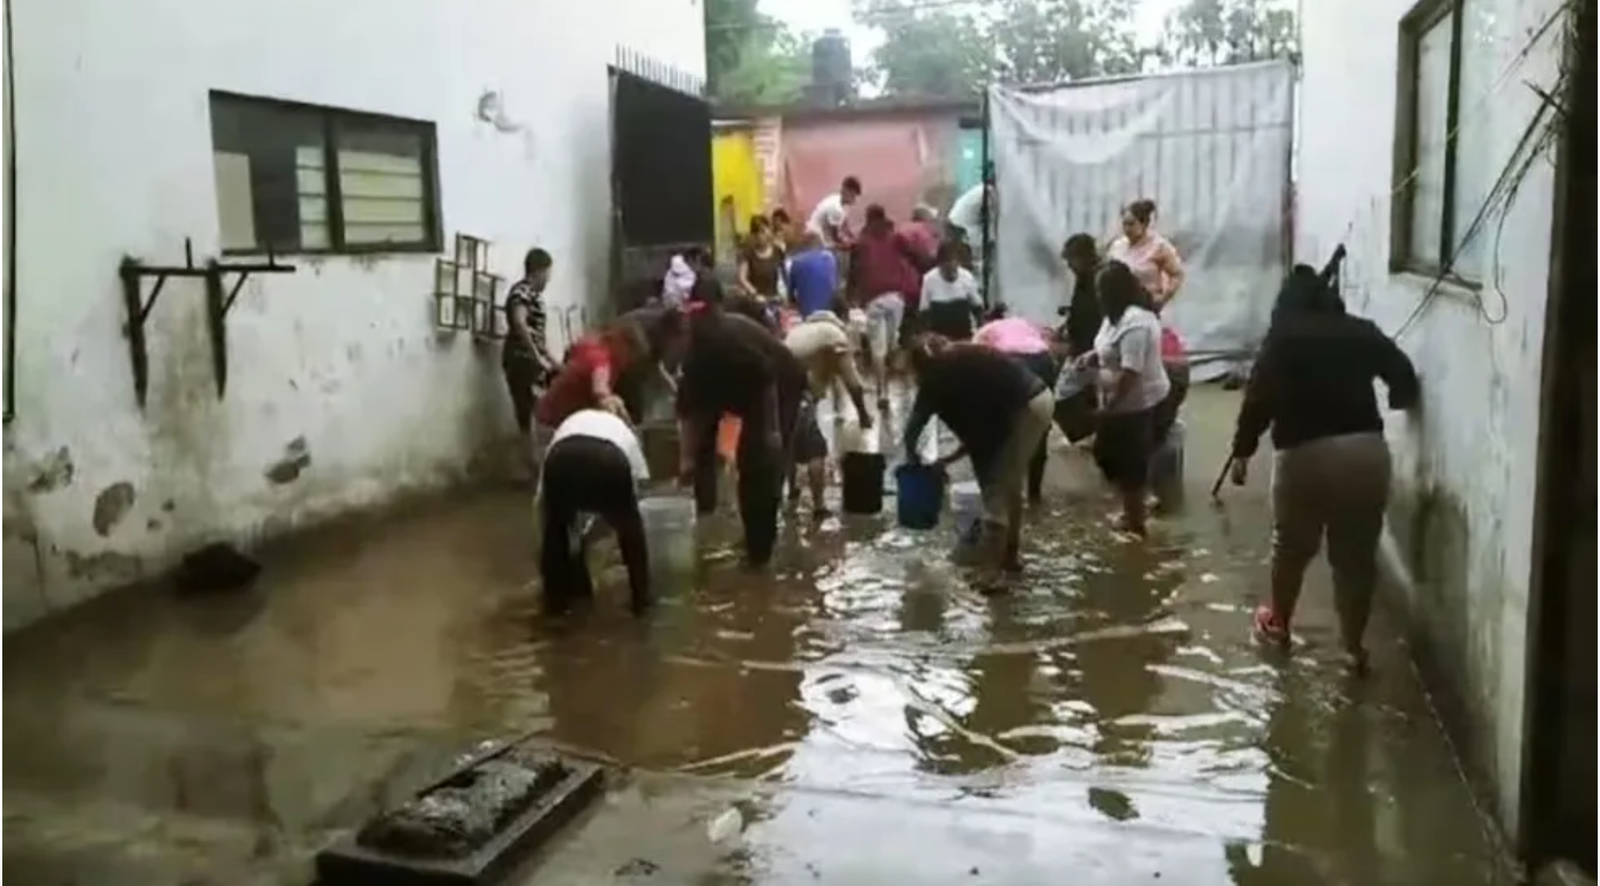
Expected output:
(1211, 148)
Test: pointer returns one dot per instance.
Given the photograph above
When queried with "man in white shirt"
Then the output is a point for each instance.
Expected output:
(950, 300)
(830, 220)
(593, 466)
(964, 221)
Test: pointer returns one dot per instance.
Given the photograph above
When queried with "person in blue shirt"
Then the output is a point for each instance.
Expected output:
(813, 276)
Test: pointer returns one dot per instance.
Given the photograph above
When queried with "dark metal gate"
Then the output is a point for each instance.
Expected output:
(660, 171)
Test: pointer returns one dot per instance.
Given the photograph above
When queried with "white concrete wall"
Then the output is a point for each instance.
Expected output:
(114, 154)
(1461, 520)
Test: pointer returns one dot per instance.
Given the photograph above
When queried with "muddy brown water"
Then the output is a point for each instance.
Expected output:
(869, 713)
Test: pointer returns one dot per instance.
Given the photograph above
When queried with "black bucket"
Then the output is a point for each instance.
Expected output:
(863, 482)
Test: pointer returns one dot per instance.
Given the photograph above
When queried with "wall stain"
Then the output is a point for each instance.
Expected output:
(53, 472)
(296, 458)
(111, 505)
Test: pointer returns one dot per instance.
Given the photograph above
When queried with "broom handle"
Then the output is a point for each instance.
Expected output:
(1216, 488)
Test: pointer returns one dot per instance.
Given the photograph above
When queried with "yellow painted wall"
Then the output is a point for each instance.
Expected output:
(736, 183)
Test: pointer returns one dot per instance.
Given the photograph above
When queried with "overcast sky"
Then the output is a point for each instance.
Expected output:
(819, 15)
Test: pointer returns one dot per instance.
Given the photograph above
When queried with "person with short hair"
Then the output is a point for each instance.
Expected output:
(594, 466)
(964, 222)
(950, 298)
(830, 220)
(813, 276)
(883, 268)
(525, 356)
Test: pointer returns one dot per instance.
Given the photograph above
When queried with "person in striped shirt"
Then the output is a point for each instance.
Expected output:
(525, 357)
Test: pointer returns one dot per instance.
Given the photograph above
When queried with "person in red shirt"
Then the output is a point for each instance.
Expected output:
(598, 364)
(883, 271)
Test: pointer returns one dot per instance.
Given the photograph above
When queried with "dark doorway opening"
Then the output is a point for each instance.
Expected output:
(1558, 797)
(662, 198)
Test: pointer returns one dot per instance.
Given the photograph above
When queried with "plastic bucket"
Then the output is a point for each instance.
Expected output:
(863, 482)
(1166, 466)
(966, 509)
(919, 495)
(669, 538)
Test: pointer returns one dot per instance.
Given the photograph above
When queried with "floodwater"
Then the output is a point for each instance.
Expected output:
(871, 717)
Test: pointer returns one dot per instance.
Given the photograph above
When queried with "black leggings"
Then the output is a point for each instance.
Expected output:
(587, 475)
(762, 470)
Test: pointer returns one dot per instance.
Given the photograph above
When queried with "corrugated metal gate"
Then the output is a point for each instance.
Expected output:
(1212, 148)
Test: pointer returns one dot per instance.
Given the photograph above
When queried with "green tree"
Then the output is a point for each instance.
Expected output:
(752, 58)
(1049, 41)
(1207, 33)
(943, 52)
(955, 50)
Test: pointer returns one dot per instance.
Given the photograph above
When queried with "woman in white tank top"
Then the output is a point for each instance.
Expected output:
(1150, 256)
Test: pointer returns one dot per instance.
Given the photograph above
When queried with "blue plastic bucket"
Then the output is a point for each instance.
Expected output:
(919, 495)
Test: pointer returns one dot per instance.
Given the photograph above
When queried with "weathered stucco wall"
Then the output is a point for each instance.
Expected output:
(1461, 520)
(341, 394)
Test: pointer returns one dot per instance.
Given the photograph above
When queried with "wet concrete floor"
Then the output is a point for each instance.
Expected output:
(872, 717)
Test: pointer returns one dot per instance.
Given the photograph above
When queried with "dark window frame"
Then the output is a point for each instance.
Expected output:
(1414, 25)
(330, 120)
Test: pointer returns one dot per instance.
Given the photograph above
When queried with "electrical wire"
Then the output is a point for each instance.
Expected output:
(1499, 83)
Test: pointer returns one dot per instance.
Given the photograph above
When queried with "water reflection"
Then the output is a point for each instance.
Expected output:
(1113, 696)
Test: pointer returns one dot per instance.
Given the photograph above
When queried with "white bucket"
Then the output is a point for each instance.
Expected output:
(966, 509)
(669, 537)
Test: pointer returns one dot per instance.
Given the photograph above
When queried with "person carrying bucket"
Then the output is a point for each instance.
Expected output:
(733, 365)
(999, 413)
(824, 346)
(593, 466)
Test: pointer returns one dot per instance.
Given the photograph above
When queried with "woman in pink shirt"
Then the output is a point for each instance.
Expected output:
(1029, 345)
(1152, 258)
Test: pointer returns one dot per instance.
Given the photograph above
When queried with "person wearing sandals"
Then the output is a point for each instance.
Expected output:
(1312, 386)
(1133, 385)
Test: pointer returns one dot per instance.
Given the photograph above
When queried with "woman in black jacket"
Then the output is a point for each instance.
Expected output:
(1312, 385)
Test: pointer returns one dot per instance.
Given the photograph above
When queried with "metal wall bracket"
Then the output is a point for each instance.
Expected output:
(218, 306)
(132, 272)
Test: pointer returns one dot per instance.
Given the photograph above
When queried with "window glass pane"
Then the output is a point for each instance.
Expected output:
(1433, 126)
(311, 191)
(381, 184)
(236, 205)
(1473, 146)
(265, 156)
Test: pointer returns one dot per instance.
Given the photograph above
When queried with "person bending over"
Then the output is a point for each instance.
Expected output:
(735, 366)
(1027, 344)
(593, 466)
(999, 412)
(823, 345)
